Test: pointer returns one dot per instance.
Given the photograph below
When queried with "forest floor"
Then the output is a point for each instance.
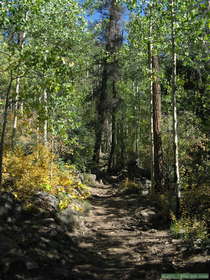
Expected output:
(122, 236)
(117, 244)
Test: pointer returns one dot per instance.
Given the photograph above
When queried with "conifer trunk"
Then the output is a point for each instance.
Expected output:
(158, 156)
(109, 73)
(101, 114)
(111, 164)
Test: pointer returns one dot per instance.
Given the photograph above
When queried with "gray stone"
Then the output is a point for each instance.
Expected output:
(31, 265)
(69, 218)
(89, 179)
(45, 200)
(3, 211)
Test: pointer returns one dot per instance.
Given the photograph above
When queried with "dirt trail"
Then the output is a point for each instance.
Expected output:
(116, 245)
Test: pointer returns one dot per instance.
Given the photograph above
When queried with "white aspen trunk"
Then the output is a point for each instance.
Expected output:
(138, 126)
(21, 108)
(37, 136)
(45, 136)
(175, 132)
(150, 50)
(174, 97)
(22, 36)
(15, 120)
(134, 125)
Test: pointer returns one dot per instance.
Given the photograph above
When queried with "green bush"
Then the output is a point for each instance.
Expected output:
(189, 229)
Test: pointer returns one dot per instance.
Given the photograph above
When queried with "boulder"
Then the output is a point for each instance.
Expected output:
(45, 201)
(150, 217)
(10, 207)
(69, 218)
(88, 179)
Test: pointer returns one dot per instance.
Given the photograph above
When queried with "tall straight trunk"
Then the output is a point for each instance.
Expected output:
(101, 115)
(150, 48)
(4, 126)
(15, 120)
(158, 156)
(21, 38)
(174, 96)
(114, 39)
(111, 164)
(110, 67)
(121, 138)
(45, 134)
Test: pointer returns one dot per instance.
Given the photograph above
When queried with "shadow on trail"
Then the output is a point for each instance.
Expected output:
(113, 249)
(117, 244)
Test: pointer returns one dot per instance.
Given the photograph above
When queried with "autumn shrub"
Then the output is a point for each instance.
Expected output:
(25, 174)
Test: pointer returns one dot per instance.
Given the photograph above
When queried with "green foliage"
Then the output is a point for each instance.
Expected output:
(195, 203)
(189, 229)
(166, 203)
(63, 56)
(25, 174)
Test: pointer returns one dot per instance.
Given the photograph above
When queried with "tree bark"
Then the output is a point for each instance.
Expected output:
(21, 38)
(4, 126)
(113, 144)
(150, 48)
(15, 120)
(101, 114)
(158, 156)
(114, 43)
(110, 73)
(45, 134)
(175, 121)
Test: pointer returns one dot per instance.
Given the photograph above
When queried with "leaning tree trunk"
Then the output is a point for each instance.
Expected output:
(158, 156)
(4, 126)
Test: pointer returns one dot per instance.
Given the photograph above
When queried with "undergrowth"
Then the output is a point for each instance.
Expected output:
(130, 186)
(189, 229)
(194, 223)
(25, 174)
